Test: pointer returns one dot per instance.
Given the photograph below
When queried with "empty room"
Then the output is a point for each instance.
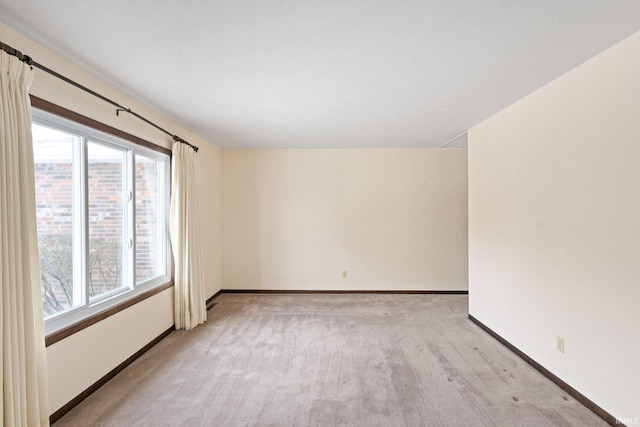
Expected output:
(320, 213)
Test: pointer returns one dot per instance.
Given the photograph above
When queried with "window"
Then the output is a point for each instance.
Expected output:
(102, 207)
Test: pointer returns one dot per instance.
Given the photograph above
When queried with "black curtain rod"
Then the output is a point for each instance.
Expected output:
(28, 60)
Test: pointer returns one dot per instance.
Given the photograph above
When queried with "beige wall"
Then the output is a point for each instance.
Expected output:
(554, 226)
(80, 360)
(393, 219)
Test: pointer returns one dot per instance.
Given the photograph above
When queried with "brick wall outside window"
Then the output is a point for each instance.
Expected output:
(54, 221)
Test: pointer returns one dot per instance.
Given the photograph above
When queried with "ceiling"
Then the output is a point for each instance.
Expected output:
(326, 73)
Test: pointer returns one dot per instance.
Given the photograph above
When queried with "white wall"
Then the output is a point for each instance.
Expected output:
(77, 362)
(554, 226)
(393, 219)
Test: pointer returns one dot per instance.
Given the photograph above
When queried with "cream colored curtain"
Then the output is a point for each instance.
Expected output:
(23, 370)
(190, 305)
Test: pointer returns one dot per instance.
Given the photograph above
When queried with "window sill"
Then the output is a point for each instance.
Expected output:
(67, 331)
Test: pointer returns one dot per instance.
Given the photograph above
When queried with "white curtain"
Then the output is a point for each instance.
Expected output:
(23, 370)
(190, 305)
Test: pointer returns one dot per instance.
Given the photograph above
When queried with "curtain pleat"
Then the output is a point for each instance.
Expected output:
(189, 301)
(22, 360)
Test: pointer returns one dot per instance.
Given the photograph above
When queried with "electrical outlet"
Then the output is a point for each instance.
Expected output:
(344, 274)
(560, 344)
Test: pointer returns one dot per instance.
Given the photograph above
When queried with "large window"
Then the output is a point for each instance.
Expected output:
(102, 215)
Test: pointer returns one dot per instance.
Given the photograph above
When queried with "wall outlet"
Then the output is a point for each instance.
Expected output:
(560, 344)
(344, 274)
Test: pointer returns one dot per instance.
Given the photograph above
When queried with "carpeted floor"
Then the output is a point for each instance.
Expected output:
(331, 360)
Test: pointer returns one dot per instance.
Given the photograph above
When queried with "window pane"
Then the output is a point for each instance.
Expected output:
(106, 201)
(53, 166)
(149, 219)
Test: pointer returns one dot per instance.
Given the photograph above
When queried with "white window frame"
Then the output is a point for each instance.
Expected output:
(89, 308)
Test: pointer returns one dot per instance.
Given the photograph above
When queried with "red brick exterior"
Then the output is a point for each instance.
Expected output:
(54, 201)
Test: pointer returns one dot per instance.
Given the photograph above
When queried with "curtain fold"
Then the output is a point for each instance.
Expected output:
(189, 301)
(22, 360)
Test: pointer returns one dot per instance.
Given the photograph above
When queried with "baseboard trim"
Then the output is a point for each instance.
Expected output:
(102, 381)
(588, 403)
(337, 291)
(209, 303)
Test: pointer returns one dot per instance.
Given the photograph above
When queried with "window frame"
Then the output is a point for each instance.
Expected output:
(73, 320)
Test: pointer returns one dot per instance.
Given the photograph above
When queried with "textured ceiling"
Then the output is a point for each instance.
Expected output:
(339, 73)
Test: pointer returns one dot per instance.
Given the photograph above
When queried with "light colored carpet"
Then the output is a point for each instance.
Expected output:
(331, 360)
